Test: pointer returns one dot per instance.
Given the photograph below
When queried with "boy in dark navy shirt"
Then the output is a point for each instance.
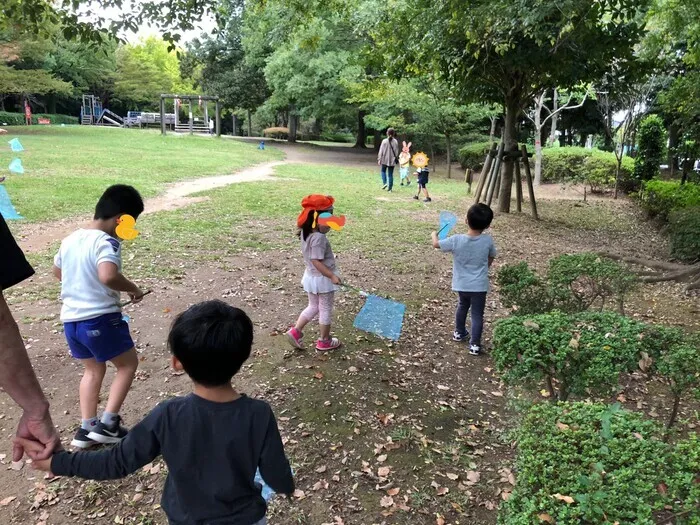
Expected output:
(212, 440)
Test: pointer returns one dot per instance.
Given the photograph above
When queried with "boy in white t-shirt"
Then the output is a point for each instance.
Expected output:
(88, 265)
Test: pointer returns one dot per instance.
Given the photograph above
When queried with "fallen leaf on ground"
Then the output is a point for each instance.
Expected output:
(382, 458)
(567, 499)
(383, 472)
(318, 375)
(321, 469)
(545, 517)
(562, 426)
(299, 494)
(8, 500)
(387, 501)
(473, 477)
(442, 491)
(453, 477)
(394, 491)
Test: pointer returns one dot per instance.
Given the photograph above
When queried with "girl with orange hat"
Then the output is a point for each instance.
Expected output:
(320, 280)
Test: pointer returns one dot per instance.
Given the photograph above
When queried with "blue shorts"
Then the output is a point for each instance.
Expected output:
(102, 338)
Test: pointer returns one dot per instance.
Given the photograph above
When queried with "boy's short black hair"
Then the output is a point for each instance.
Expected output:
(212, 340)
(117, 200)
(479, 217)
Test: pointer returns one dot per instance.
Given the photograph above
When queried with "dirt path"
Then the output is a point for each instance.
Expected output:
(39, 236)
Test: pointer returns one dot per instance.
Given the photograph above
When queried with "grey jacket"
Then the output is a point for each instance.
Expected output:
(388, 153)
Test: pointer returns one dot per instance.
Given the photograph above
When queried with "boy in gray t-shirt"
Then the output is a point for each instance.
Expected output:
(472, 255)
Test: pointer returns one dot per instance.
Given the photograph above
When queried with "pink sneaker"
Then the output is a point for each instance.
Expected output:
(325, 345)
(295, 338)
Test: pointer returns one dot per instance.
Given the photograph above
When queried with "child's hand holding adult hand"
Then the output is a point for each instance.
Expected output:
(33, 449)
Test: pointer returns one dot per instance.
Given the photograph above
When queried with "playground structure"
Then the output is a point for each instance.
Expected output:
(192, 125)
(92, 113)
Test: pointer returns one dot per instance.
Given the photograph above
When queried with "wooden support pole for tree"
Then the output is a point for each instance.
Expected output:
(496, 174)
(490, 179)
(530, 189)
(499, 179)
(485, 171)
(518, 188)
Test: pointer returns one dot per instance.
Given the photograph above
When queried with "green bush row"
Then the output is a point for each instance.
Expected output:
(565, 165)
(585, 353)
(573, 283)
(684, 231)
(660, 197)
(581, 464)
(17, 119)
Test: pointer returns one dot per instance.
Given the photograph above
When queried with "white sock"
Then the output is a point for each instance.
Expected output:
(108, 418)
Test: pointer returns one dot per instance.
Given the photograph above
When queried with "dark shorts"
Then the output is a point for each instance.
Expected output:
(102, 338)
(422, 181)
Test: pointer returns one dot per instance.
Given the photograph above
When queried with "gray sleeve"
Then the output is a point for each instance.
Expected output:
(382, 148)
(274, 466)
(139, 447)
(493, 252)
(447, 245)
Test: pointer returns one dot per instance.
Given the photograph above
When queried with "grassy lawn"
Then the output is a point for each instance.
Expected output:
(67, 168)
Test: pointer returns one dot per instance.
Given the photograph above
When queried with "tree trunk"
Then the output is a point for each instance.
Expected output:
(555, 117)
(538, 143)
(361, 131)
(492, 134)
(448, 145)
(674, 415)
(672, 145)
(292, 135)
(511, 144)
(318, 127)
(250, 124)
(377, 139)
(432, 156)
(617, 172)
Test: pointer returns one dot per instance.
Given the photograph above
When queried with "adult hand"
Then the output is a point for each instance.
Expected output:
(36, 427)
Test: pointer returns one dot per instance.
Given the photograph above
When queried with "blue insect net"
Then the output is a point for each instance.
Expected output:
(382, 317)
(16, 166)
(447, 222)
(15, 145)
(6, 208)
(267, 492)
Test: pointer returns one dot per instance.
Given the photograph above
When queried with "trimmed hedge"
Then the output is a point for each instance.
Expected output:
(580, 463)
(561, 165)
(684, 231)
(581, 354)
(661, 197)
(17, 119)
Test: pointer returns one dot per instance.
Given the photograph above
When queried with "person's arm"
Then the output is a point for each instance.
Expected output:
(325, 271)
(57, 272)
(274, 466)
(139, 447)
(382, 148)
(108, 273)
(492, 253)
(436, 242)
(18, 379)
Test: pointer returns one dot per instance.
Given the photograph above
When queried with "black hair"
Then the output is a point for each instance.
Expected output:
(212, 340)
(479, 217)
(307, 228)
(117, 200)
(391, 132)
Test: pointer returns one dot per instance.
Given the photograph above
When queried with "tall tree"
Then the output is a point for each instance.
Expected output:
(504, 51)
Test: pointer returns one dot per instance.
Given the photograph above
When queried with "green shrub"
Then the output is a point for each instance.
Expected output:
(577, 281)
(276, 133)
(17, 119)
(564, 164)
(684, 231)
(337, 136)
(593, 167)
(472, 156)
(585, 464)
(661, 197)
(578, 354)
(679, 366)
(652, 143)
(521, 290)
(573, 284)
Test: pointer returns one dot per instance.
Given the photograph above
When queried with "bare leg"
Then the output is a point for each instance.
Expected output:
(126, 364)
(90, 386)
(325, 331)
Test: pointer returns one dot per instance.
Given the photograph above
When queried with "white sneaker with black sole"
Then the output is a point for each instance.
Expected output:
(81, 439)
(108, 434)
(474, 349)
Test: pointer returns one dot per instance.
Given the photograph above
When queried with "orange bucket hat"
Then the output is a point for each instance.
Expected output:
(314, 203)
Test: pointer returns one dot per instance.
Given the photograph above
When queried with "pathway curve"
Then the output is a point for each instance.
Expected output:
(39, 236)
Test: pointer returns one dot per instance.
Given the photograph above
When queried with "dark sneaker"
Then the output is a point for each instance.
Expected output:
(415, 197)
(408, 183)
(474, 349)
(428, 200)
(107, 435)
(456, 336)
(402, 184)
(385, 186)
(81, 439)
